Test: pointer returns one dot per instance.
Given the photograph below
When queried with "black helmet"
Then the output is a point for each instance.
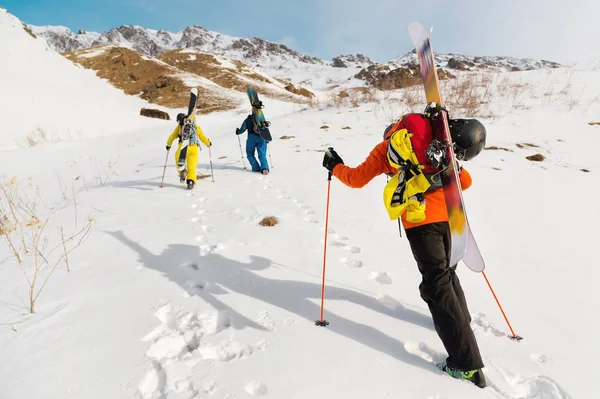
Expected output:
(469, 136)
(180, 118)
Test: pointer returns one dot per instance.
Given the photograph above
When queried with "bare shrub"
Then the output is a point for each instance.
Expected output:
(464, 96)
(27, 237)
(269, 221)
(413, 98)
(337, 100)
(536, 158)
(105, 173)
(39, 135)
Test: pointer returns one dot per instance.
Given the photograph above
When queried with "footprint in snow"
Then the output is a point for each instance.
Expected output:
(311, 219)
(194, 206)
(193, 288)
(351, 262)
(256, 388)
(309, 212)
(380, 277)
(389, 302)
(481, 324)
(262, 345)
(264, 319)
(200, 238)
(189, 265)
(153, 383)
(205, 228)
(202, 211)
(353, 249)
(423, 351)
(194, 220)
(207, 249)
(539, 358)
(225, 351)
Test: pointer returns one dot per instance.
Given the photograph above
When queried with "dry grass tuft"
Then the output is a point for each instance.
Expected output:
(346, 128)
(287, 137)
(536, 158)
(526, 145)
(269, 221)
(585, 170)
(324, 127)
(494, 148)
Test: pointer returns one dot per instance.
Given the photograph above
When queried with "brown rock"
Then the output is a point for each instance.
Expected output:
(155, 113)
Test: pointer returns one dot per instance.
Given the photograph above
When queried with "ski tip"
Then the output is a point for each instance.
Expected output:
(417, 33)
(195, 91)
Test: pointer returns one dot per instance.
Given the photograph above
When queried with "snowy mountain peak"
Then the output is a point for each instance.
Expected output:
(155, 42)
(460, 62)
(352, 61)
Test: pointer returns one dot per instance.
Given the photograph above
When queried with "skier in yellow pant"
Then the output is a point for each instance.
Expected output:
(186, 166)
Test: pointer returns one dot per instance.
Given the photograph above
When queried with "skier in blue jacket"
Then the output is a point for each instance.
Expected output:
(254, 142)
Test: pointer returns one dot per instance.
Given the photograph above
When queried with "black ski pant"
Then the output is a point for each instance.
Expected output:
(441, 290)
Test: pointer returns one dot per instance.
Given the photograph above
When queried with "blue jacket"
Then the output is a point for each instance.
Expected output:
(249, 125)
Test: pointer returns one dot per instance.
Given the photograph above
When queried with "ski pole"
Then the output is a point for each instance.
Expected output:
(211, 168)
(514, 336)
(270, 160)
(165, 168)
(321, 322)
(241, 152)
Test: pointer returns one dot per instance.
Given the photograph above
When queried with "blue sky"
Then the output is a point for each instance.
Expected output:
(557, 30)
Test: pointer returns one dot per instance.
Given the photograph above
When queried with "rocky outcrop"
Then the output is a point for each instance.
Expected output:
(155, 113)
(352, 61)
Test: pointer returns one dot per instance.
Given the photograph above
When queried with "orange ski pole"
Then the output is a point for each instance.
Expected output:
(514, 336)
(322, 322)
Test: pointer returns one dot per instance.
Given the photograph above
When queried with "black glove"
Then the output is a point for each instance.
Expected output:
(168, 147)
(331, 159)
(209, 143)
(237, 130)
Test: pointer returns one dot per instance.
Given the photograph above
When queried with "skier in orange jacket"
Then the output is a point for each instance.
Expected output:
(425, 220)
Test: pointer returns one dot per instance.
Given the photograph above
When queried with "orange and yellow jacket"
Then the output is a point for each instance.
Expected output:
(377, 163)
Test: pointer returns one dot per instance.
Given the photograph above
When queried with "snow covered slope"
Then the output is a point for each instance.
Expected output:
(46, 97)
(182, 294)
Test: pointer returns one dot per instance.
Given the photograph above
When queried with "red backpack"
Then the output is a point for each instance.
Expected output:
(420, 126)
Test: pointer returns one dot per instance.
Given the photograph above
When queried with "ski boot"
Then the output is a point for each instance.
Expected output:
(190, 184)
(474, 376)
(265, 172)
(182, 176)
